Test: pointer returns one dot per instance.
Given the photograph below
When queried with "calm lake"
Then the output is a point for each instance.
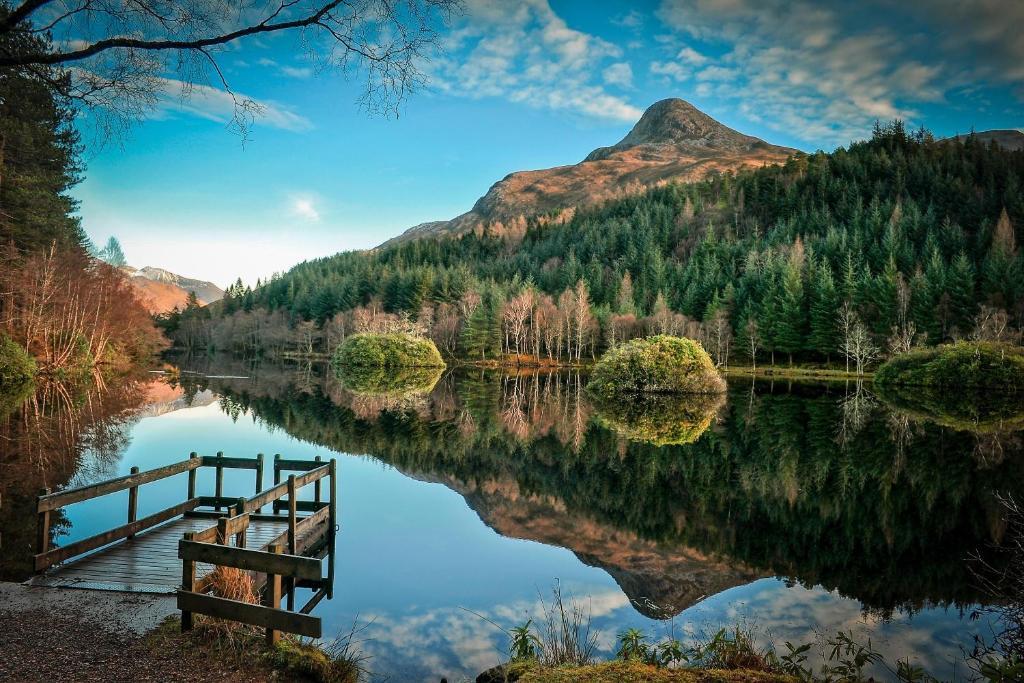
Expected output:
(793, 507)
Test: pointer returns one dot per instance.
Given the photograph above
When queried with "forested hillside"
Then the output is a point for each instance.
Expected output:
(893, 242)
(65, 307)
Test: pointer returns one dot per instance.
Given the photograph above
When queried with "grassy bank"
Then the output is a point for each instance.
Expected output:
(627, 672)
(794, 372)
(242, 651)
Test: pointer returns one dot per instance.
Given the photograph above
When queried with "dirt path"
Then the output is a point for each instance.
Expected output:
(64, 634)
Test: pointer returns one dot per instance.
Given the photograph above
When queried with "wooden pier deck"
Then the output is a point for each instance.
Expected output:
(273, 536)
(149, 562)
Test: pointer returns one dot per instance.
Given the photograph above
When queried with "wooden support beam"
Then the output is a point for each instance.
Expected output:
(314, 601)
(252, 560)
(272, 618)
(53, 501)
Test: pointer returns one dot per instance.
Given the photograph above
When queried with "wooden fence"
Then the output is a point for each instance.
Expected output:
(280, 569)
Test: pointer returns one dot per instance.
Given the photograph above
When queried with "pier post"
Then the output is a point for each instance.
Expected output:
(259, 472)
(133, 502)
(43, 528)
(188, 583)
(316, 485)
(219, 491)
(272, 596)
(192, 477)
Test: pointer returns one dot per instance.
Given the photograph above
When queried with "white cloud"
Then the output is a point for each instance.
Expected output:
(218, 105)
(524, 52)
(631, 19)
(799, 67)
(673, 70)
(304, 207)
(298, 72)
(620, 73)
(690, 56)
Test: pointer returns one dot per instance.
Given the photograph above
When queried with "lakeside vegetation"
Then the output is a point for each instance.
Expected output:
(970, 366)
(865, 252)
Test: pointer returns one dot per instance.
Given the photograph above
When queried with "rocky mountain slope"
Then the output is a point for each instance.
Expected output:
(672, 141)
(162, 290)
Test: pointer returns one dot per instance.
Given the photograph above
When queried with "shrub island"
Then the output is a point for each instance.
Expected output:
(964, 365)
(656, 365)
(393, 350)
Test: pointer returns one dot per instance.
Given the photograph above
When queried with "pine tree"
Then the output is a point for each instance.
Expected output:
(960, 286)
(824, 337)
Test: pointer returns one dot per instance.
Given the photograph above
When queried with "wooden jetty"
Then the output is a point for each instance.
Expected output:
(273, 535)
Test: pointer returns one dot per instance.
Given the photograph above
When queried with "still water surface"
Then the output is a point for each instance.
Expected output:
(796, 508)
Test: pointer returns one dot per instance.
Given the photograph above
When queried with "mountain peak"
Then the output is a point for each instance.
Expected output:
(672, 142)
(676, 123)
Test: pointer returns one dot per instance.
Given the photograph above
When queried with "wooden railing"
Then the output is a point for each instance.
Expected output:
(284, 564)
(48, 503)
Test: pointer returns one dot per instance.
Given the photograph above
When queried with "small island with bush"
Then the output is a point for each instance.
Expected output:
(962, 366)
(391, 350)
(656, 365)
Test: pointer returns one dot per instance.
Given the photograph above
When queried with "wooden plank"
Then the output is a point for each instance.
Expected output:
(307, 523)
(312, 475)
(219, 501)
(230, 463)
(49, 558)
(295, 465)
(269, 617)
(300, 505)
(266, 497)
(254, 560)
(54, 501)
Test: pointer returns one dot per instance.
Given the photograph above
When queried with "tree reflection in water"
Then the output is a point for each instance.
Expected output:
(54, 436)
(821, 484)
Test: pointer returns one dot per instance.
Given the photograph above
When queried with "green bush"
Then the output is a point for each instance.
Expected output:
(659, 365)
(395, 350)
(17, 367)
(660, 419)
(962, 365)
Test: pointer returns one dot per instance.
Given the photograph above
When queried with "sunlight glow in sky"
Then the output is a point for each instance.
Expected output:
(520, 86)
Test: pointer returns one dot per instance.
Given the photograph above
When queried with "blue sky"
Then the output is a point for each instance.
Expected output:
(518, 86)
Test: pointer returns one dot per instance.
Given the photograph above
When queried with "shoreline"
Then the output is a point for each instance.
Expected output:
(71, 634)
